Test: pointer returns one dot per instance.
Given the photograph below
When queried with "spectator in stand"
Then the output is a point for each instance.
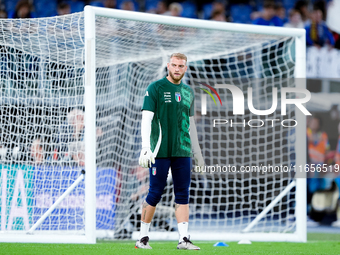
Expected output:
(255, 15)
(71, 131)
(38, 153)
(318, 148)
(320, 5)
(268, 17)
(317, 33)
(302, 7)
(128, 6)
(3, 14)
(318, 144)
(162, 7)
(281, 12)
(333, 21)
(3, 151)
(63, 8)
(295, 20)
(217, 15)
(175, 9)
(77, 154)
(218, 7)
(110, 4)
(23, 10)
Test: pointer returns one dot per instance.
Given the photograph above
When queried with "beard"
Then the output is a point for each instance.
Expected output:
(176, 80)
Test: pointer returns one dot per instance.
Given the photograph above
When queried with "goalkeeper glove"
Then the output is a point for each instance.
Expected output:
(199, 161)
(146, 158)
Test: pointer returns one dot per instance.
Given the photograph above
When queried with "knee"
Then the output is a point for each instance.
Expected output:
(182, 196)
(154, 197)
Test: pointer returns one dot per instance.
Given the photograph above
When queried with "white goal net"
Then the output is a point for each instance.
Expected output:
(43, 111)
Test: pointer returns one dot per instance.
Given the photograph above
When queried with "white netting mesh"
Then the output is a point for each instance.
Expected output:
(42, 89)
(42, 122)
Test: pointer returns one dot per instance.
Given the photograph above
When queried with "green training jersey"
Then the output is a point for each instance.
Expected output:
(172, 105)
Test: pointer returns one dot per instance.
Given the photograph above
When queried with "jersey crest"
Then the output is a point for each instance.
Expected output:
(178, 96)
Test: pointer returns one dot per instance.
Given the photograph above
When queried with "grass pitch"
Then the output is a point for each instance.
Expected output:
(317, 244)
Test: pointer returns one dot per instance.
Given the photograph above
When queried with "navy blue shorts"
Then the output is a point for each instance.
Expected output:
(181, 176)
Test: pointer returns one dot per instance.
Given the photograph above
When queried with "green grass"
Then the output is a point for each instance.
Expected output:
(317, 244)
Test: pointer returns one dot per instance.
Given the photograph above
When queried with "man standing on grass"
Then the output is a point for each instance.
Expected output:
(168, 137)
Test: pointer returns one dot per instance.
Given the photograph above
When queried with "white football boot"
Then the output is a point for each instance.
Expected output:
(143, 243)
(186, 244)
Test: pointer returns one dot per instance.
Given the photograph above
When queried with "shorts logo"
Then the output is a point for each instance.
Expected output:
(178, 96)
(154, 171)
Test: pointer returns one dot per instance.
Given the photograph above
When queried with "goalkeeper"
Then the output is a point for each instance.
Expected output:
(168, 136)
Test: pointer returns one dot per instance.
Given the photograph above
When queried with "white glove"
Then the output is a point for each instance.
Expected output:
(196, 150)
(199, 161)
(146, 158)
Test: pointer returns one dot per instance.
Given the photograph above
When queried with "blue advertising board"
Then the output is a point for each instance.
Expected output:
(27, 192)
(50, 182)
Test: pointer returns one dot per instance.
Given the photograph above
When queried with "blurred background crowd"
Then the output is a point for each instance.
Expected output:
(319, 17)
(311, 15)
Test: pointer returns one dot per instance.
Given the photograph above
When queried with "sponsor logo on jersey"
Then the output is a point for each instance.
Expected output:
(167, 97)
(154, 171)
(178, 96)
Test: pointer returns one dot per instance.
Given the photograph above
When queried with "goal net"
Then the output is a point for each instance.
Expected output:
(72, 88)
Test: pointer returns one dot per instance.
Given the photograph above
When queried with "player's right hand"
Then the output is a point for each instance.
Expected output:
(146, 158)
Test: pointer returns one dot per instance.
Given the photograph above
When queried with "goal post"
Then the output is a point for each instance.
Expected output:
(90, 124)
(71, 90)
(301, 143)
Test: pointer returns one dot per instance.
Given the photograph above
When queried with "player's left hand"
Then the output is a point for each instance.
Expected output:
(199, 161)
